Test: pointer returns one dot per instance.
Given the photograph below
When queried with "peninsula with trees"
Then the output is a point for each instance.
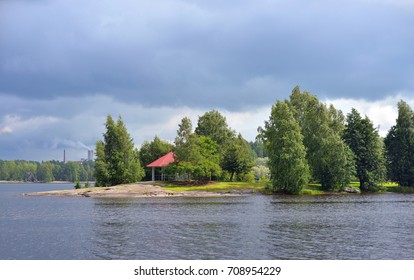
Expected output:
(304, 147)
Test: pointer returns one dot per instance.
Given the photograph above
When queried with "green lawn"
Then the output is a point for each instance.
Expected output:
(394, 187)
(311, 189)
(216, 187)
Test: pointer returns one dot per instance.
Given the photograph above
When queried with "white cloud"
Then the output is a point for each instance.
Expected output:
(382, 113)
(16, 124)
(6, 129)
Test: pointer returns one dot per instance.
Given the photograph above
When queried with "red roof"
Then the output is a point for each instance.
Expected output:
(163, 161)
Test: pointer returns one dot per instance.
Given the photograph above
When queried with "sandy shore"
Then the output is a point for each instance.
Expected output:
(128, 190)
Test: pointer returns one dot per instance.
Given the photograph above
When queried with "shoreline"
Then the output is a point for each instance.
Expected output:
(134, 190)
(53, 182)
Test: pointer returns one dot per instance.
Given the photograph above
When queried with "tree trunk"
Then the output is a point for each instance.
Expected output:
(231, 176)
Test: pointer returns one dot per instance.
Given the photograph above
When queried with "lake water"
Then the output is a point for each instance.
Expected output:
(377, 226)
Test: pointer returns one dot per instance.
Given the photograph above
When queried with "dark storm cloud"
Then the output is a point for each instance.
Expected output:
(66, 64)
(205, 53)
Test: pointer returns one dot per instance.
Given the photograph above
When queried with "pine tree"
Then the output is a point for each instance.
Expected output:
(287, 154)
(399, 144)
(365, 142)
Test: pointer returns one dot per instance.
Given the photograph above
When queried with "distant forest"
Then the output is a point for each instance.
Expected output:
(31, 171)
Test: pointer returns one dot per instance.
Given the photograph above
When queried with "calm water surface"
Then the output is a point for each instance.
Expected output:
(377, 226)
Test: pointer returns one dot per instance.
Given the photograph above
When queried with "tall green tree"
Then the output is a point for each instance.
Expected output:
(330, 159)
(287, 154)
(214, 125)
(209, 160)
(238, 158)
(118, 162)
(399, 144)
(365, 142)
(101, 165)
(185, 130)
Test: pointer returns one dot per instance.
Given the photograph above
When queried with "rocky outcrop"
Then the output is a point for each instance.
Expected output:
(351, 190)
(128, 190)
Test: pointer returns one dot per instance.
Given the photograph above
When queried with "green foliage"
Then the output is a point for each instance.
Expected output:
(212, 151)
(258, 147)
(237, 157)
(18, 170)
(117, 161)
(331, 161)
(399, 144)
(261, 170)
(364, 141)
(287, 154)
(77, 185)
(248, 177)
(101, 166)
(198, 157)
(45, 172)
(151, 151)
(185, 130)
(214, 125)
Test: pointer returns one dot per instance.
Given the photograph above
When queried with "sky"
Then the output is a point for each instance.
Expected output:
(66, 64)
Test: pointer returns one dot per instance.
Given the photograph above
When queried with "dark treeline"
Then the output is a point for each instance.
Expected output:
(47, 171)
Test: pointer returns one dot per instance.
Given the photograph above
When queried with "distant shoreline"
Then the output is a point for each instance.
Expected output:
(53, 182)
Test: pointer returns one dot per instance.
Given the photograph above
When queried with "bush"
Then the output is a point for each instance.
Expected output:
(77, 186)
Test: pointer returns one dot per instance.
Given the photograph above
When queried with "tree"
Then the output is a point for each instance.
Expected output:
(238, 158)
(151, 151)
(365, 142)
(185, 129)
(101, 166)
(399, 144)
(214, 125)
(117, 161)
(71, 171)
(258, 147)
(330, 160)
(287, 154)
(44, 172)
(197, 157)
(208, 165)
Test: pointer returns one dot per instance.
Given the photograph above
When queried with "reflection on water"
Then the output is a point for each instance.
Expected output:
(251, 227)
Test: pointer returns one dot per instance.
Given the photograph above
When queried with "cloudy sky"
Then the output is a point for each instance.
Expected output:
(66, 64)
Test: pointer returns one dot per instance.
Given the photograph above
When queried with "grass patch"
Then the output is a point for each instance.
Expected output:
(311, 189)
(394, 187)
(307, 191)
(214, 186)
